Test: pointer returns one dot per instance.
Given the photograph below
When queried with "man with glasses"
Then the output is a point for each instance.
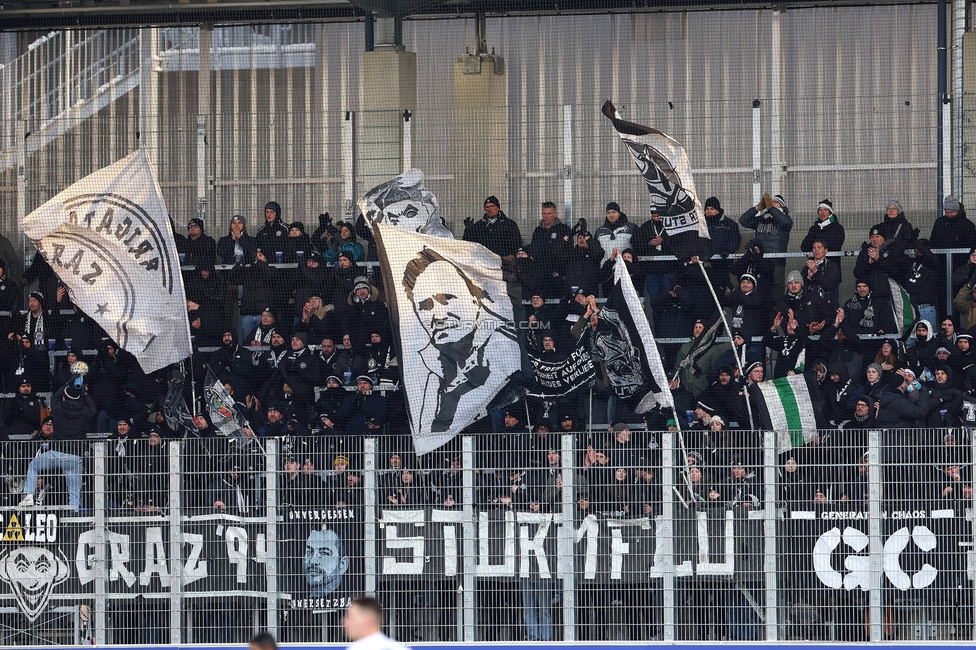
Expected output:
(201, 249)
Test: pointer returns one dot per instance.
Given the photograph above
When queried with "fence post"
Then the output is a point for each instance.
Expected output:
(971, 561)
(407, 140)
(769, 529)
(348, 164)
(875, 547)
(756, 151)
(568, 164)
(101, 561)
(369, 529)
(567, 538)
(667, 523)
(948, 279)
(175, 544)
(271, 565)
(468, 547)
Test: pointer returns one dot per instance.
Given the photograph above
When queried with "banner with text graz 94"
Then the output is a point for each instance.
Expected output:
(108, 238)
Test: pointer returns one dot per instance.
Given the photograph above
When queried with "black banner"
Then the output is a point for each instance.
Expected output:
(924, 548)
(320, 557)
(558, 378)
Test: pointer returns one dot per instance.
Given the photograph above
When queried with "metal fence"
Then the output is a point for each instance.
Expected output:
(623, 535)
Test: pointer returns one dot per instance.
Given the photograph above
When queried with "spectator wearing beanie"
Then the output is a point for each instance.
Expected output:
(895, 228)
(880, 261)
(53, 453)
(22, 358)
(953, 230)
(362, 405)
(22, 412)
(810, 310)
(350, 359)
(343, 278)
(826, 228)
(237, 246)
(73, 412)
(201, 249)
(867, 313)
(300, 371)
(271, 235)
(298, 245)
(726, 240)
(495, 231)
(47, 279)
(750, 312)
(771, 221)
(363, 313)
(261, 334)
(615, 233)
(583, 268)
(37, 325)
(756, 265)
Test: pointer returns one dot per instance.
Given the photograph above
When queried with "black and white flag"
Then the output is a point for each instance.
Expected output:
(405, 203)
(663, 163)
(220, 407)
(108, 238)
(624, 342)
(452, 313)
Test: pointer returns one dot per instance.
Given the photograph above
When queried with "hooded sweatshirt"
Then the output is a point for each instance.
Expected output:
(271, 236)
(73, 418)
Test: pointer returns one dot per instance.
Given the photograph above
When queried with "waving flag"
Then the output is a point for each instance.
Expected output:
(901, 304)
(454, 319)
(624, 342)
(663, 163)
(788, 406)
(220, 408)
(108, 238)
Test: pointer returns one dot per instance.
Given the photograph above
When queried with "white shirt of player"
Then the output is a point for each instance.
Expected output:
(377, 641)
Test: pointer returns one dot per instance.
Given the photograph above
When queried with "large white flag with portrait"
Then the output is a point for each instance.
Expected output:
(109, 239)
(453, 316)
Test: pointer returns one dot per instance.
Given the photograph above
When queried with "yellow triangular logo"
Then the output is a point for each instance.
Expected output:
(14, 532)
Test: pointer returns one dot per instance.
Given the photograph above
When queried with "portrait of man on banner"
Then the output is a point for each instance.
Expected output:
(460, 320)
(325, 563)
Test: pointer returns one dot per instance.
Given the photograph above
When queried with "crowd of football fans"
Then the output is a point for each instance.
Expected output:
(295, 326)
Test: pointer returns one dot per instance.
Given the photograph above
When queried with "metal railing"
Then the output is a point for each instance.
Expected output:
(860, 535)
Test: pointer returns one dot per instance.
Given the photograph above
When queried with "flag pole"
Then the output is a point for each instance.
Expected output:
(738, 361)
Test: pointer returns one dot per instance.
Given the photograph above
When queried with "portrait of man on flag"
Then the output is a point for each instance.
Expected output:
(455, 320)
(460, 321)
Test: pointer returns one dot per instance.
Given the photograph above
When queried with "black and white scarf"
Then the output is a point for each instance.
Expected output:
(37, 336)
